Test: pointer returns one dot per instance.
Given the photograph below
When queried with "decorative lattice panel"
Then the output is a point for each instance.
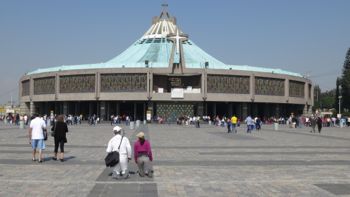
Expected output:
(174, 110)
(25, 88)
(269, 86)
(44, 85)
(124, 82)
(77, 83)
(296, 89)
(228, 84)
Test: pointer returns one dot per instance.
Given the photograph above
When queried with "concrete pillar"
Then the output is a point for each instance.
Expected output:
(46, 108)
(200, 109)
(230, 113)
(76, 108)
(24, 108)
(57, 86)
(278, 110)
(307, 110)
(31, 108)
(214, 109)
(108, 111)
(150, 107)
(135, 111)
(286, 90)
(244, 110)
(65, 108)
(117, 110)
(103, 110)
(144, 111)
(238, 109)
(254, 109)
(267, 110)
(252, 87)
(57, 108)
(98, 109)
(90, 108)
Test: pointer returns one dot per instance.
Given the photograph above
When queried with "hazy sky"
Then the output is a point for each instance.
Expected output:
(310, 37)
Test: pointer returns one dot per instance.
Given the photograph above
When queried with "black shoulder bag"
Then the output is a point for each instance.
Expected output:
(112, 158)
(53, 130)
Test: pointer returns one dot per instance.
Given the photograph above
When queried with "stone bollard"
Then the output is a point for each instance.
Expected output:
(132, 125)
(138, 123)
(275, 126)
(145, 122)
(21, 124)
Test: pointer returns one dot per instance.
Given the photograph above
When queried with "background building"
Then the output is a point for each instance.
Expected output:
(165, 74)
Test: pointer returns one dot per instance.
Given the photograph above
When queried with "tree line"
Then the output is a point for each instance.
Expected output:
(341, 93)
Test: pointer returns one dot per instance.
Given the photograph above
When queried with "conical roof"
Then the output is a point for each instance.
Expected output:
(155, 47)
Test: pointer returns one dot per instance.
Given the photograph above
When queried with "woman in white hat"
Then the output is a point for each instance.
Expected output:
(143, 155)
(122, 145)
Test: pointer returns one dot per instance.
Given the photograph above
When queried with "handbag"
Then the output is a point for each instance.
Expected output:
(53, 130)
(112, 158)
(45, 134)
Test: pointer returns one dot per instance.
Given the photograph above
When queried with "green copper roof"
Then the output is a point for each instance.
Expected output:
(156, 47)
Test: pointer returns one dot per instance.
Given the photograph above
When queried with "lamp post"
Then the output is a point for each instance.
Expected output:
(339, 98)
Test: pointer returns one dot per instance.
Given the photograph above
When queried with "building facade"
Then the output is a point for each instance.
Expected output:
(165, 74)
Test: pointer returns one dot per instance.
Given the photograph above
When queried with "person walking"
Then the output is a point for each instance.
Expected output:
(250, 124)
(229, 127)
(59, 130)
(313, 123)
(234, 123)
(122, 145)
(36, 136)
(143, 155)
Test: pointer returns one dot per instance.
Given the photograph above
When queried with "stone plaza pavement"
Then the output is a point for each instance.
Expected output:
(187, 162)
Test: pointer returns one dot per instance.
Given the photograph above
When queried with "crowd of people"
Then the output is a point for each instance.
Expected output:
(141, 149)
(37, 135)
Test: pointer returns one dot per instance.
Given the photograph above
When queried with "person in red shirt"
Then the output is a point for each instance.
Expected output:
(143, 155)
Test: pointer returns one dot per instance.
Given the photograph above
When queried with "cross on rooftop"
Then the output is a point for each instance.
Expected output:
(178, 38)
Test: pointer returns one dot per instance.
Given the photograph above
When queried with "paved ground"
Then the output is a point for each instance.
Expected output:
(188, 162)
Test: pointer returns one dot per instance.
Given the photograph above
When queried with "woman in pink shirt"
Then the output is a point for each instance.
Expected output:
(143, 155)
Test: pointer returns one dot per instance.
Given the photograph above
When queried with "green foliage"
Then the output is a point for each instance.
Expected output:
(324, 100)
(345, 82)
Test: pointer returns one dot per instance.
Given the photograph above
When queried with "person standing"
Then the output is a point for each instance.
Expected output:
(319, 124)
(143, 155)
(122, 145)
(36, 136)
(60, 129)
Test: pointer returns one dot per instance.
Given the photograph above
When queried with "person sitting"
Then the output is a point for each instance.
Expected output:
(143, 155)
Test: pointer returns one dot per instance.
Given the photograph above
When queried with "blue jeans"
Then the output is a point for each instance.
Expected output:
(233, 127)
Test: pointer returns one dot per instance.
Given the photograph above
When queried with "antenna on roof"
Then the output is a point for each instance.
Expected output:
(165, 6)
(164, 10)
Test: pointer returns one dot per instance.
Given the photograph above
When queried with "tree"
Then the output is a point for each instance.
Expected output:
(345, 83)
(324, 100)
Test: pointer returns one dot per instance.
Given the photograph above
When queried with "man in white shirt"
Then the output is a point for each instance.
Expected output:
(121, 169)
(36, 136)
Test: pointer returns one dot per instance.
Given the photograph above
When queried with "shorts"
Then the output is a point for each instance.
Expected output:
(38, 143)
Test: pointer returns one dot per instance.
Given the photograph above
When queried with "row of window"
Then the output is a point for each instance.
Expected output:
(137, 82)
